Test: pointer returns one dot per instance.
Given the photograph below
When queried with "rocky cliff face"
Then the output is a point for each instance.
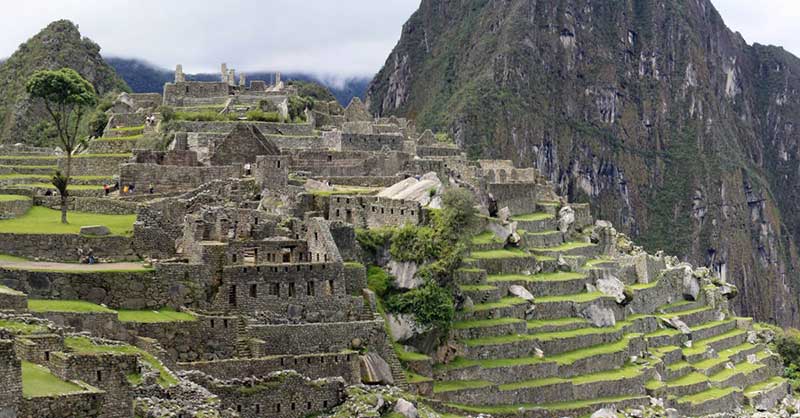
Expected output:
(677, 130)
(56, 46)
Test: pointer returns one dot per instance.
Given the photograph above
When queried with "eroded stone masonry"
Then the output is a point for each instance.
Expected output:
(241, 290)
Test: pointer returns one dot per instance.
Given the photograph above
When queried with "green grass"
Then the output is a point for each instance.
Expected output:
(498, 340)
(440, 387)
(599, 260)
(163, 315)
(353, 264)
(533, 324)
(644, 286)
(763, 386)
(499, 254)
(71, 186)
(515, 409)
(412, 377)
(120, 138)
(707, 395)
(539, 216)
(577, 298)
(76, 306)
(701, 345)
(21, 327)
(84, 345)
(627, 372)
(56, 157)
(127, 128)
(744, 367)
(559, 335)
(566, 246)
(506, 302)
(37, 381)
(378, 280)
(486, 237)
(485, 323)
(46, 177)
(662, 333)
(41, 220)
(12, 197)
(31, 167)
(476, 288)
(688, 379)
(406, 356)
(541, 277)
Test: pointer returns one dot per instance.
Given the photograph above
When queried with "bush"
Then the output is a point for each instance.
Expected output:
(412, 243)
(378, 280)
(373, 240)
(97, 123)
(788, 346)
(167, 113)
(458, 214)
(260, 116)
(431, 305)
(297, 106)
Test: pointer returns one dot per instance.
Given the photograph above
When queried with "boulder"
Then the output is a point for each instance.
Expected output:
(613, 287)
(403, 327)
(312, 185)
(404, 273)
(501, 232)
(729, 291)
(520, 292)
(691, 286)
(605, 413)
(375, 370)
(599, 316)
(676, 323)
(504, 214)
(96, 230)
(566, 217)
(405, 408)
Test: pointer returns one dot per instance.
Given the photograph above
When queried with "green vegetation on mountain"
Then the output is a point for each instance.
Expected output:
(673, 127)
(59, 45)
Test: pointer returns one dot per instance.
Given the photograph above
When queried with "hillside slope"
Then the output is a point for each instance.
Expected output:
(676, 129)
(58, 45)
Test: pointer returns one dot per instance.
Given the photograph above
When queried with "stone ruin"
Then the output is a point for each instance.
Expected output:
(248, 239)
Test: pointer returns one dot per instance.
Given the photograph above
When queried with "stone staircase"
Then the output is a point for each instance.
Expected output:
(546, 358)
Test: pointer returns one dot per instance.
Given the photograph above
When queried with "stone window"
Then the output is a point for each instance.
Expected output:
(278, 407)
(293, 406)
(274, 289)
(253, 290)
(46, 356)
(310, 288)
(212, 323)
(330, 158)
(316, 236)
(402, 211)
(233, 257)
(330, 287)
(232, 295)
(225, 323)
(279, 163)
(308, 405)
(239, 409)
(291, 290)
(324, 404)
(99, 375)
(258, 408)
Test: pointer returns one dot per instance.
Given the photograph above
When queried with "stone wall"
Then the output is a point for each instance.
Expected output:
(107, 371)
(85, 404)
(171, 177)
(104, 165)
(14, 208)
(314, 366)
(195, 93)
(12, 300)
(37, 348)
(374, 212)
(124, 120)
(365, 142)
(320, 337)
(90, 204)
(64, 247)
(111, 146)
(10, 380)
(118, 290)
(355, 278)
(266, 128)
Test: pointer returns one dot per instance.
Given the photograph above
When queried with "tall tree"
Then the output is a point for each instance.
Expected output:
(67, 97)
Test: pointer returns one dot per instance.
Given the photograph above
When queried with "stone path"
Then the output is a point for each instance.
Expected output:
(47, 266)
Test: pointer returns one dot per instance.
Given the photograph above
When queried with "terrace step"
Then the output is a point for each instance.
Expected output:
(548, 207)
(543, 284)
(682, 305)
(558, 342)
(734, 354)
(554, 307)
(712, 329)
(482, 293)
(535, 222)
(43, 170)
(765, 395)
(508, 307)
(486, 241)
(488, 328)
(556, 325)
(500, 347)
(585, 249)
(468, 276)
(695, 317)
(712, 400)
(550, 238)
(560, 409)
(687, 384)
(700, 348)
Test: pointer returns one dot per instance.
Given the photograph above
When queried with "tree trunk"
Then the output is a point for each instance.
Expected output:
(64, 195)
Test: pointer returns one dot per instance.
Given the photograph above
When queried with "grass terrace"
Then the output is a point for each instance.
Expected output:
(21, 327)
(41, 220)
(495, 254)
(84, 345)
(344, 191)
(151, 317)
(539, 216)
(71, 186)
(517, 409)
(541, 277)
(12, 197)
(37, 381)
(707, 395)
(486, 237)
(127, 129)
(73, 306)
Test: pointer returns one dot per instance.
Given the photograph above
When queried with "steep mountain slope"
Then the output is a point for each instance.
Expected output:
(56, 46)
(147, 78)
(677, 130)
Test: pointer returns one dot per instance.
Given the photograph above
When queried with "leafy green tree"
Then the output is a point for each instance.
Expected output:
(67, 97)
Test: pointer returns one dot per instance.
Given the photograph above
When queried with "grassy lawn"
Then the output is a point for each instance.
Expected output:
(577, 298)
(12, 197)
(514, 409)
(77, 306)
(128, 128)
(21, 327)
(406, 356)
(41, 220)
(540, 323)
(84, 345)
(121, 138)
(439, 387)
(707, 395)
(71, 186)
(502, 303)
(541, 277)
(486, 237)
(485, 323)
(763, 386)
(163, 315)
(346, 191)
(496, 254)
(38, 381)
(566, 246)
(539, 216)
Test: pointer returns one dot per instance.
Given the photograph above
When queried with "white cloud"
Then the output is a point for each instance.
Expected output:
(333, 38)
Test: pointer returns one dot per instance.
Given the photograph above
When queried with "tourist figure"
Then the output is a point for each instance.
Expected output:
(125, 189)
(80, 255)
(91, 256)
(151, 188)
(247, 169)
(106, 188)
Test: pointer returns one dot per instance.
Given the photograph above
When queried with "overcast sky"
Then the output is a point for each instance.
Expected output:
(334, 38)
